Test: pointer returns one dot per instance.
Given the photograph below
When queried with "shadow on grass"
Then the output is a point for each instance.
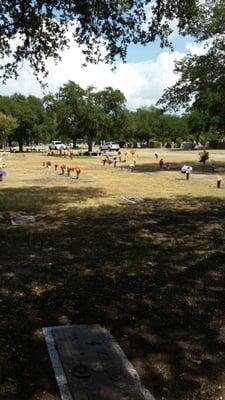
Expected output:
(39, 198)
(154, 275)
(198, 168)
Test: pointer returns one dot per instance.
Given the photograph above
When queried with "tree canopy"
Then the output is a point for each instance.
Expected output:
(7, 125)
(151, 124)
(29, 114)
(88, 113)
(40, 28)
(201, 84)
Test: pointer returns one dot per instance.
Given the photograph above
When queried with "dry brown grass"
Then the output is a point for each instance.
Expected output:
(152, 273)
(27, 170)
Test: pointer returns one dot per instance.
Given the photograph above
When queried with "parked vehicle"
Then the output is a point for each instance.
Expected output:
(57, 145)
(110, 146)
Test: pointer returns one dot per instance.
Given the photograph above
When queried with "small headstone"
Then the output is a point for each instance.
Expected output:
(84, 180)
(133, 200)
(23, 220)
(152, 173)
(90, 365)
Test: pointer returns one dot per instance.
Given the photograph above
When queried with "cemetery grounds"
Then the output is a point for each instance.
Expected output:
(141, 253)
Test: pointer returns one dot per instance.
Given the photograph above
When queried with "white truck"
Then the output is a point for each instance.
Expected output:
(57, 145)
(110, 146)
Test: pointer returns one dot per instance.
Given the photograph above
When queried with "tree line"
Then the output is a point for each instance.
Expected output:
(92, 115)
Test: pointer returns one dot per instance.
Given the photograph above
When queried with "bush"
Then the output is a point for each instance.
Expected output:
(154, 144)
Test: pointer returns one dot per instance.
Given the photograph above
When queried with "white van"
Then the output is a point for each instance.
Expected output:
(57, 145)
(110, 146)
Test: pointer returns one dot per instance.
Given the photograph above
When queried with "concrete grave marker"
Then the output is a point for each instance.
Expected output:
(85, 180)
(133, 200)
(90, 365)
(23, 220)
(152, 173)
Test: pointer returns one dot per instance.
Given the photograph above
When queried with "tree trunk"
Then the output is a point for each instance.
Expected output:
(10, 142)
(74, 143)
(90, 146)
(20, 145)
(197, 137)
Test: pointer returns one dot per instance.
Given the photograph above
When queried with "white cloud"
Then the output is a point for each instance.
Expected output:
(141, 82)
(197, 49)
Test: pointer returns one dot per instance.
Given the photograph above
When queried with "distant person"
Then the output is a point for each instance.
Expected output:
(204, 156)
(114, 161)
(104, 160)
(109, 161)
(156, 156)
(161, 163)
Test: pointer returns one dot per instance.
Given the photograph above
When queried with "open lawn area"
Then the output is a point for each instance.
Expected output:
(141, 253)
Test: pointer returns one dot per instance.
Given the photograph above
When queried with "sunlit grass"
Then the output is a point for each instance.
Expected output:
(27, 171)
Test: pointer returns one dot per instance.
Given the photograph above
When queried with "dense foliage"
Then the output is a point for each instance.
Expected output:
(88, 113)
(75, 113)
(29, 114)
(201, 84)
(8, 124)
(40, 28)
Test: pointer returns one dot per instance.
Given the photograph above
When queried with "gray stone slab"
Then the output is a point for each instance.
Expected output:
(133, 200)
(90, 365)
(85, 180)
(152, 173)
(23, 220)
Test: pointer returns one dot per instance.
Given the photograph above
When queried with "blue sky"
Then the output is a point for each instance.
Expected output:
(137, 53)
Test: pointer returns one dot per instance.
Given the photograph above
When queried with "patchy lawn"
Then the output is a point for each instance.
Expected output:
(152, 273)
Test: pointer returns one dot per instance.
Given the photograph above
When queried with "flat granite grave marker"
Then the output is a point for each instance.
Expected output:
(90, 365)
(23, 220)
(133, 200)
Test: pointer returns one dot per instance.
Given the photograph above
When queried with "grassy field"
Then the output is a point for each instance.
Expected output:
(152, 272)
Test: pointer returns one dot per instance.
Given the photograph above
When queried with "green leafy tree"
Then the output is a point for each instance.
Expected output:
(93, 120)
(173, 128)
(8, 124)
(68, 106)
(49, 127)
(42, 26)
(29, 112)
(114, 114)
(147, 124)
(198, 123)
(153, 125)
(201, 85)
(88, 113)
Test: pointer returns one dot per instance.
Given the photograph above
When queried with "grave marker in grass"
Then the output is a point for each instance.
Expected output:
(23, 219)
(219, 180)
(90, 365)
(2, 173)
